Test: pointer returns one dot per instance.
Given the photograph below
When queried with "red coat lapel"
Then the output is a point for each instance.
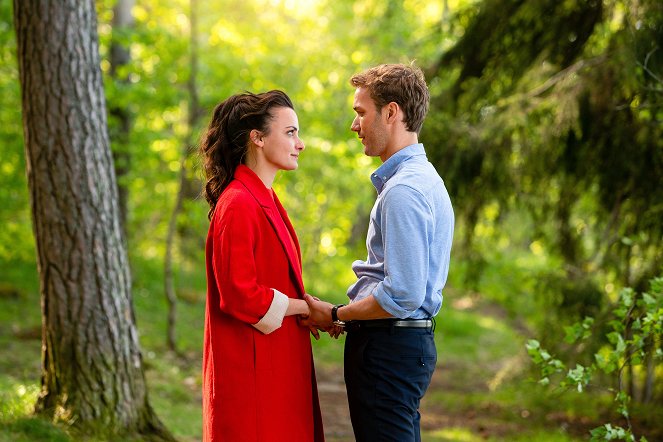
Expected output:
(277, 217)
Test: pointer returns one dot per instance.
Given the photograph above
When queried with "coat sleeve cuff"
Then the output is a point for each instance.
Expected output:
(274, 316)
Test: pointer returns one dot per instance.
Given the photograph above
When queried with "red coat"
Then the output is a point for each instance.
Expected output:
(256, 387)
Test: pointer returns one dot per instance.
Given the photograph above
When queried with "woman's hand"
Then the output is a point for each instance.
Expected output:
(335, 331)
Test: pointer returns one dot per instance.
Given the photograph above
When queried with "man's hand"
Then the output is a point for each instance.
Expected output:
(320, 312)
(304, 320)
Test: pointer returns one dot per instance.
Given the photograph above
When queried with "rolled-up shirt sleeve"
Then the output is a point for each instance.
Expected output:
(406, 222)
(275, 314)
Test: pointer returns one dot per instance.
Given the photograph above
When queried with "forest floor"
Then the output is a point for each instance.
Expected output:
(482, 389)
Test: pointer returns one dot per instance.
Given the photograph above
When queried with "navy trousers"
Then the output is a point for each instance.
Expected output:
(387, 372)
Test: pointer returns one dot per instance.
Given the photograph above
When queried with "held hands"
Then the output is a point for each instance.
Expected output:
(334, 331)
(304, 320)
(320, 316)
(320, 311)
(307, 316)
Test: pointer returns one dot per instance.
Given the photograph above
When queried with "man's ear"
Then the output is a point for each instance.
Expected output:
(256, 138)
(392, 112)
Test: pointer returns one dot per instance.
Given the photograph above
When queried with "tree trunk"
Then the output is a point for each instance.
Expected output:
(650, 371)
(193, 118)
(92, 374)
(120, 56)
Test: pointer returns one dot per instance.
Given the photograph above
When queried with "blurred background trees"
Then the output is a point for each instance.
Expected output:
(546, 123)
(554, 112)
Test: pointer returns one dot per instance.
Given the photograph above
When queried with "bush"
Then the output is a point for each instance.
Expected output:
(632, 352)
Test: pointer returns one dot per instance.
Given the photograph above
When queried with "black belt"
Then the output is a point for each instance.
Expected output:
(388, 323)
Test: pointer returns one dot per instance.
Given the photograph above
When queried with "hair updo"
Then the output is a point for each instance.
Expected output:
(226, 141)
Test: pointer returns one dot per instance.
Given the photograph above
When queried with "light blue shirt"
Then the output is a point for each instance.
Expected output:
(409, 238)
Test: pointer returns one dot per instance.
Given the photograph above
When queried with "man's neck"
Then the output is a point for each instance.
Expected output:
(399, 142)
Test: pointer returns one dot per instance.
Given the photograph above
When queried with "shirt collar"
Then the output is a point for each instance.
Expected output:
(382, 174)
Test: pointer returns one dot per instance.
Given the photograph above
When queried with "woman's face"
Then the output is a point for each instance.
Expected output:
(282, 145)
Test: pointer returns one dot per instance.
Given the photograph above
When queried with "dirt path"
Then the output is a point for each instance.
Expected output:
(334, 404)
(336, 416)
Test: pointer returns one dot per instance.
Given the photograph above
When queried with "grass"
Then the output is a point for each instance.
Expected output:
(28, 429)
(174, 383)
(459, 434)
(481, 390)
(483, 379)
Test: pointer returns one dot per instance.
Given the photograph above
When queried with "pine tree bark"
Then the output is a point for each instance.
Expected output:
(92, 373)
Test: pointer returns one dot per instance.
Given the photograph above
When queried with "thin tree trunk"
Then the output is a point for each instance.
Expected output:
(193, 118)
(628, 332)
(92, 374)
(631, 374)
(119, 57)
(650, 372)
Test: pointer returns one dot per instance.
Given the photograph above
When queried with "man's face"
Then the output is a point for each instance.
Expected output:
(369, 124)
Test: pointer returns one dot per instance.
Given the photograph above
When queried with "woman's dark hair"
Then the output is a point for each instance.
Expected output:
(225, 143)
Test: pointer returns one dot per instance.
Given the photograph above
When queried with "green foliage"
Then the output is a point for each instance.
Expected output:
(608, 432)
(16, 241)
(634, 336)
(16, 399)
(579, 330)
(552, 109)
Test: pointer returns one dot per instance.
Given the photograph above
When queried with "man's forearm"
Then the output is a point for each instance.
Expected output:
(367, 308)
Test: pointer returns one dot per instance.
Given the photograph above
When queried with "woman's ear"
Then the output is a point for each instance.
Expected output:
(256, 138)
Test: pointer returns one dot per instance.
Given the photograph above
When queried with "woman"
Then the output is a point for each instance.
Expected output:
(258, 376)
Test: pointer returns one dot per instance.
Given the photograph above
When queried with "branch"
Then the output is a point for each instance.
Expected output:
(646, 69)
(552, 81)
(563, 74)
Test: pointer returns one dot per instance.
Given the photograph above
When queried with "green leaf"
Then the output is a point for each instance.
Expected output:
(532, 344)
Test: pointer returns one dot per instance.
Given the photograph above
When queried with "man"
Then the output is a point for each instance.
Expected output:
(390, 352)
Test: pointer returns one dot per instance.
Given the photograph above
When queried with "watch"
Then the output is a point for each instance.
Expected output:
(334, 315)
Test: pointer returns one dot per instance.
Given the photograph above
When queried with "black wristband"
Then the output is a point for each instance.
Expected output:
(334, 312)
